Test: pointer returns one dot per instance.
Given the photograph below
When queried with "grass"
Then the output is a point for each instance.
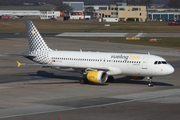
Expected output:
(18, 25)
(161, 41)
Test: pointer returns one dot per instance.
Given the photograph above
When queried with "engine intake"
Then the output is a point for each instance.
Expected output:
(97, 77)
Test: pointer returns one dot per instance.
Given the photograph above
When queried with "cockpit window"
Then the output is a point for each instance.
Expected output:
(160, 62)
(164, 62)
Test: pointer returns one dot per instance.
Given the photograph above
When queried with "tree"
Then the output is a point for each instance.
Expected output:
(174, 4)
(89, 11)
(145, 2)
(64, 8)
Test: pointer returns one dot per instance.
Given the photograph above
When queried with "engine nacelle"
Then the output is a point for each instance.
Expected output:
(136, 77)
(97, 77)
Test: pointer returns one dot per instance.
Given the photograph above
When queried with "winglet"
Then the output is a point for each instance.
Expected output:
(18, 63)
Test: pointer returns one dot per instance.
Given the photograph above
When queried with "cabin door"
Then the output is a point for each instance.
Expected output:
(144, 63)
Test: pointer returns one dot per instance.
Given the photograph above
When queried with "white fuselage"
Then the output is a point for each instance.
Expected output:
(95, 67)
(113, 63)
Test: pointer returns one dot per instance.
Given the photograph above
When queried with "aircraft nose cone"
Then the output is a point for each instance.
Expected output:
(170, 70)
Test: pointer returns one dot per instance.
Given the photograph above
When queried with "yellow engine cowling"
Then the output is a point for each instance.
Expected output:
(97, 77)
(136, 77)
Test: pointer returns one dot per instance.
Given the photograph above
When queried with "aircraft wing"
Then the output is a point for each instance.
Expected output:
(77, 68)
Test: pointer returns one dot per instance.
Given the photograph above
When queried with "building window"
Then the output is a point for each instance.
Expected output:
(139, 9)
(102, 15)
(134, 9)
(140, 14)
(122, 9)
(114, 13)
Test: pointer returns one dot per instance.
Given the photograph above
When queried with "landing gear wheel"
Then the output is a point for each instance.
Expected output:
(83, 81)
(150, 84)
(110, 79)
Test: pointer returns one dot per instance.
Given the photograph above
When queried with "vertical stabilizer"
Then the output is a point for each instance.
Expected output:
(36, 42)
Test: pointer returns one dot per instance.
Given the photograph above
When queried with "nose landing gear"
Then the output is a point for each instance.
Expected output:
(150, 84)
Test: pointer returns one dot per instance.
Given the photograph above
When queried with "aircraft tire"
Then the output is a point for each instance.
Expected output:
(83, 81)
(110, 79)
(150, 84)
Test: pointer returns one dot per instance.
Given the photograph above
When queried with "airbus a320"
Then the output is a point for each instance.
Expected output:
(95, 67)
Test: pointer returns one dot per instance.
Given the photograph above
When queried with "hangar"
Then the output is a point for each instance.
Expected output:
(30, 13)
(164, 14)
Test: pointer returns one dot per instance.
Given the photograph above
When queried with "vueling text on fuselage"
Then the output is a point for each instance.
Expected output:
(125, 57)
(119, 57)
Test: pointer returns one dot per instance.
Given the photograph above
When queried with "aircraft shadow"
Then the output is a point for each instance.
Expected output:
(47, 75)
(44, 74)
(141, 82)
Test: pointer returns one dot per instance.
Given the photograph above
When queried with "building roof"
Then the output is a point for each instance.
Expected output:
(41, 8)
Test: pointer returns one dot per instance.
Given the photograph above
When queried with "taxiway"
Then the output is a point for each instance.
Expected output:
(33, 93)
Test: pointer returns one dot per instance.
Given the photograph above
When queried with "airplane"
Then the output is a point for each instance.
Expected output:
(95, 67)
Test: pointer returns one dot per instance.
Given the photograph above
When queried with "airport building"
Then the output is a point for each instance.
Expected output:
(19, 12)
(50, 14)
(78, 9)
(163, 14)
(30, 14)
(116, 12)
(124, 12)
(96, 9)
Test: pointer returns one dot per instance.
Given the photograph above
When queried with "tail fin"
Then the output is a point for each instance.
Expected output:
(36, 41)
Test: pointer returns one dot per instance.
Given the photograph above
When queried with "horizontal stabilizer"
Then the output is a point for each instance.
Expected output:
(19, 64)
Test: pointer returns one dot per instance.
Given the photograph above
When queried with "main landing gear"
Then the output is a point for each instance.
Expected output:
(150, 84)
(83, 80)
(110, 79)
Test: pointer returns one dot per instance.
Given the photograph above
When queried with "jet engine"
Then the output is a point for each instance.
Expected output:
(136, 77)
(97, 77)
